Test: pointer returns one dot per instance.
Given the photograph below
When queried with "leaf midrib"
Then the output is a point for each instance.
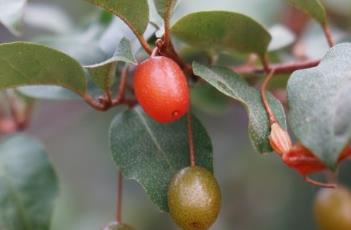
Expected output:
(153, 138)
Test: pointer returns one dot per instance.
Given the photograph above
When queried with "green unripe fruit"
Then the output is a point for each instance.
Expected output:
(194, 198)
(117, 226)
(333, 209)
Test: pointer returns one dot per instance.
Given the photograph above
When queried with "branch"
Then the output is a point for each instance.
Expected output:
(278, 68)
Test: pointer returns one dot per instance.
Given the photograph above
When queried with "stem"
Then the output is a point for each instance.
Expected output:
(328, 35)
(119, 197)
(319, 184)
(122, 87)
(278, 68)
(166, 36)
(266, 105)
(139, 36)
(192, 154)
(265, 63)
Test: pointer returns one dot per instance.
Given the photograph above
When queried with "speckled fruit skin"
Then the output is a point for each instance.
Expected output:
(333, 209)
(194, 198)
(116, 226)
(161, 89)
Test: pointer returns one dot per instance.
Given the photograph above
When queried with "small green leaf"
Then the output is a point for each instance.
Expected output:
(151, 153)
(28, 185)
(24, 63)
(312, 7)
(134, 13)
(232, 85)
(319, 102)
(103, 74)
(11, 12)
(124, 52)
(165, 7)
(222, 31)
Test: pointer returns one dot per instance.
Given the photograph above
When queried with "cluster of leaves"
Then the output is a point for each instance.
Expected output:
(61, 67)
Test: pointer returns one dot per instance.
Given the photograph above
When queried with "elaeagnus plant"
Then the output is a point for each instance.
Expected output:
(162, 66)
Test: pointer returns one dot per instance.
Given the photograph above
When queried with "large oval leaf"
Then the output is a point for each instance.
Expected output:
(11, 13)
(134, 13)
(151, 153)
(232, 85)
(28, 185)
(222, 31)
(319, 102)
(24, 63)
(312, 7)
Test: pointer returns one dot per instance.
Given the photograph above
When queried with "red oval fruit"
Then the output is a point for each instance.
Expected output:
(161, 89)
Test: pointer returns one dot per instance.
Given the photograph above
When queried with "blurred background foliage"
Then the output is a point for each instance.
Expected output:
(259, 192)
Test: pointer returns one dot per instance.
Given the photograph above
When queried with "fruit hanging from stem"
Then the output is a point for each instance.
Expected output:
(161, 88)
(194, 198)
(332, 209)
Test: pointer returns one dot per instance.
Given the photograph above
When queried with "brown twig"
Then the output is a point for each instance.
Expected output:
(106, 102)
(192, 154)
(167, 22)
(119, 196)
(278, 68)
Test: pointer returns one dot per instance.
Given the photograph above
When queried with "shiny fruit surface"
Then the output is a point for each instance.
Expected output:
(333, 209)
(194, 198)
(161, 88)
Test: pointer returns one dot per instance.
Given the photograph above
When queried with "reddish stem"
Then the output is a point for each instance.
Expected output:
(263, 90)
(119, 196)
(192, 154)
(319, 184)
(328, 35)
(278, 68)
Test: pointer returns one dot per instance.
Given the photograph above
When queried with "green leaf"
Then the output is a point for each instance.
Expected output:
(151, 153)
(165, 7)
(232, 85)
(134, 13)
(28, 185)
(319, 102)
(24, 63)
(76, 48)
(208, 99)
(11, 12)
(103, 74)
(222, 31)
(48, 92)
(314, 8)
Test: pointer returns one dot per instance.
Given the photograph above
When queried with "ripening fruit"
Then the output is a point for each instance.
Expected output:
(117, 226)
(194, 198)
(161, 89)
(333, 209)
